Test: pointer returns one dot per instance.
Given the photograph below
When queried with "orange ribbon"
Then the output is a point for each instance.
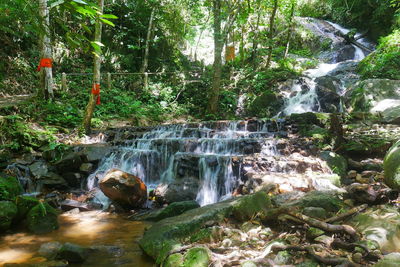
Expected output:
(45, 63)
(96, 92)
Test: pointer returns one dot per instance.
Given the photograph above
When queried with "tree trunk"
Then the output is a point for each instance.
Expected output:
(271, 33)
(96, 74)
(46, 73)
(255, 38)
(289, 34)
(147, 48)
(218, 46)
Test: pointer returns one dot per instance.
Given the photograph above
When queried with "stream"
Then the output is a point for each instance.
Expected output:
(90, 229)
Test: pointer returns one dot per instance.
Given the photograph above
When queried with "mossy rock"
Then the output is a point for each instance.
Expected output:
(24, 205)
(42, 219)
(8, 211)
(323, 199)
(203, 235)
(265, 105)
(174, 209)
(168, 233)
(251, 205)
(174, 260)
(73, 253)
(336, 162)
(390, 260)
(310, 118)
(197, 257)
(391, 166)
(9, 187)
(315, 212)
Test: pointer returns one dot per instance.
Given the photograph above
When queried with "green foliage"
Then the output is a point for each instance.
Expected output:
(385, 61)
(9, 187)
(16, 134)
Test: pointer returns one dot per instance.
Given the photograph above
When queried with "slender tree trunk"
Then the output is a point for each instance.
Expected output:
(271, 33)
(46, 73)
(255, 38)
(96, 75)
(147, 48)
(241, 46)
(218, 46)
(290, 31)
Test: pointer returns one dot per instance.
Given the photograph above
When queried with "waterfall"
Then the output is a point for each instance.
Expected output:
(206, 151)
(303, 96)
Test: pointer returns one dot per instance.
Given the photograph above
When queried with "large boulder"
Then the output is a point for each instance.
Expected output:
(391, 166)
(380, 96)
(42, 219)
(69, 162)
(24, 205)
(8, 211)
(167, 234)
(379, 224)
(124, 188)
(9, 187)
(179, 190)
(94, 152)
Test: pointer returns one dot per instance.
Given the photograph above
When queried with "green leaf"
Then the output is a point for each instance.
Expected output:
(109, 16)
(107, 22)
(79, 2)
(57, 3)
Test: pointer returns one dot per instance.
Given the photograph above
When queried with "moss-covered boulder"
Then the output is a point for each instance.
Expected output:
(24, 205)
(197, 257)
(310, 118)
(9, 187)
(265, 105)
(327, 200)
(389, 260)
(174, 209)
(336, 162)
(8, 211)
(42, 219)
(174, 260)
(168, 234)
(391, 166)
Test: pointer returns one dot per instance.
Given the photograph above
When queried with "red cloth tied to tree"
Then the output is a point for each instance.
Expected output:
(45, 63)
(96, 92)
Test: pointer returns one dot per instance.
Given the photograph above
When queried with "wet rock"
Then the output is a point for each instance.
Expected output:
(167, 234)
(9, 187)
(42, 219)
(95, 152)
(8, 211)
(73, 179)
(329, 100)
(347, 52)
(49, 250)
(70, 204)
(173, 209)
(179, 190)
(389, 260)
(337, 163)
(39, 169)
(70, 162)
(124, 188)
(391, 165)
(72, 253)
(24, 205)
(86, 168)
(53, 180)
(315, 212)
(114, 251)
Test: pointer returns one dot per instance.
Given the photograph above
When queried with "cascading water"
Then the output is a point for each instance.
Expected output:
(159, 155)
(303, 96)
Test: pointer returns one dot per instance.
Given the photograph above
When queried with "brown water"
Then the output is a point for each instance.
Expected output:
(92, 228)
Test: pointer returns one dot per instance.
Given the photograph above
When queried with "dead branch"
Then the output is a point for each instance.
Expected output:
(342, 216)
(324, 260)
(332, 228)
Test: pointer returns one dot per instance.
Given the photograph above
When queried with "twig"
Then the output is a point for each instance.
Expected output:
(349, 213)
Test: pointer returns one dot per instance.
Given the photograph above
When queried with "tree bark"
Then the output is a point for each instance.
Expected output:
(147, 48)
(271, 33)
(289, 33)
(96, 74)
(218, 46)
(46, 74)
